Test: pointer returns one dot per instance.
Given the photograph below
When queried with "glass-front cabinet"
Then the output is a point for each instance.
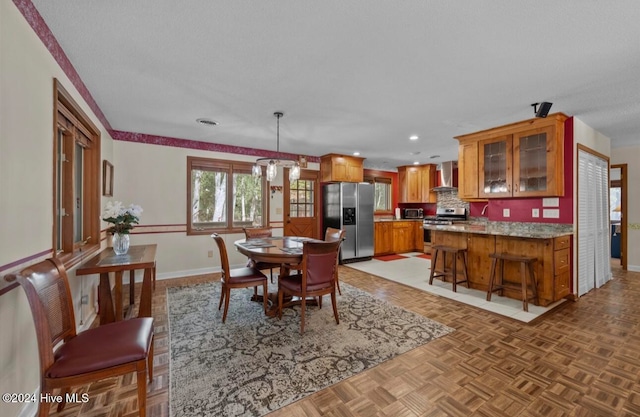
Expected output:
(524, 159)
(495, 156)
(535, 163)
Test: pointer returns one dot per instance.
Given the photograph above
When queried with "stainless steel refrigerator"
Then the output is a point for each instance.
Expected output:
(349, 206)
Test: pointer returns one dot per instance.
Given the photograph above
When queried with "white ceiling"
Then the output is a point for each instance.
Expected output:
(353, 75)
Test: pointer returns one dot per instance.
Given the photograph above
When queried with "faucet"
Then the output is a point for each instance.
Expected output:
(484, 209)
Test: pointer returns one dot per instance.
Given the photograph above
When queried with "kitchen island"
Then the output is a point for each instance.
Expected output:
(549, 243)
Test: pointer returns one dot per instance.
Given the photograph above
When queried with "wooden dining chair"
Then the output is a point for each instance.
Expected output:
(317, 277)
(68, 358)
(331, 235)
(238, 278)
(256, 233)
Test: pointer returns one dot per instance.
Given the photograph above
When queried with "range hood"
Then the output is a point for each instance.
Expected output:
(446, 177)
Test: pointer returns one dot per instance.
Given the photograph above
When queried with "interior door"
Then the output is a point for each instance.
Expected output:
(594, 268)
(301, 205)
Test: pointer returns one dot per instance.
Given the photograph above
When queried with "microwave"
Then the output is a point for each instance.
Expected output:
(413, 213)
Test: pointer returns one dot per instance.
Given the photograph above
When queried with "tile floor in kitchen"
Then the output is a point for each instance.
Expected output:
(414, 271)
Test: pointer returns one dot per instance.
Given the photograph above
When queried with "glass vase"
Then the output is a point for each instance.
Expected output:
(120, 243)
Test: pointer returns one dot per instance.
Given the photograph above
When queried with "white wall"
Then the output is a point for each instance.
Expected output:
(155, 177)
(27, 70)
(631, 156)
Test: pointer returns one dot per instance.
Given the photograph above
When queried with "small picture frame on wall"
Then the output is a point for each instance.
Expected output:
(107, 178)
(302, 161)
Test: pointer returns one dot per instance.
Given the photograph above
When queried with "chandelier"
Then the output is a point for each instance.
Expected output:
(272, 164)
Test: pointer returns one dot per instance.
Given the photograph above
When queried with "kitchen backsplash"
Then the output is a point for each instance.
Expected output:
(449, 199)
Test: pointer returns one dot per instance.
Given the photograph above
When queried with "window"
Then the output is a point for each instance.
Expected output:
(382, 195)
(223, 196)
(76, 176)
(301, 198)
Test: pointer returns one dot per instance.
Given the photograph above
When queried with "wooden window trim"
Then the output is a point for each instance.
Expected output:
(80, 127)
(230, 167)
(376, 176)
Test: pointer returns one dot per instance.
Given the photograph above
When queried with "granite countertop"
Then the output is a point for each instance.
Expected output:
(526, 230)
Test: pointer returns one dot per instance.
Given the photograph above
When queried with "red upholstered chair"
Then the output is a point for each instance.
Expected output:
(317, 277)
(331, 235)
(257, 233)
(106, 351)
(238, 278)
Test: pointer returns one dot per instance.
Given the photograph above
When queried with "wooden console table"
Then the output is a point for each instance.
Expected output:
(138, 257)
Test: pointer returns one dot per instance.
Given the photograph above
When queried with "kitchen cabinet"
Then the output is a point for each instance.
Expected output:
(383, 238)
(416, 183)
(418, 237)
(341, 168)
(523, 159)
(468, 171)
(397, 236)
(403, 236)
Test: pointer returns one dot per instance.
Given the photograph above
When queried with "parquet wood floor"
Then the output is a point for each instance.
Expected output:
(580, 360)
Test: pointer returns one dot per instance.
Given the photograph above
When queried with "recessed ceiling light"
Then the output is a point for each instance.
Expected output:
(416, 163)
(413, 137)
(207, 122)
(434, 156)
(356, 153)
(415, 153)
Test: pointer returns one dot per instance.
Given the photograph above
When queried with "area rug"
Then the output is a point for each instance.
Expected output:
(423, 256)
(254, 364)
(389, 257)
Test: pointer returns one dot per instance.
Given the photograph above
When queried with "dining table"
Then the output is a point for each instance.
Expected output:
(284, 250)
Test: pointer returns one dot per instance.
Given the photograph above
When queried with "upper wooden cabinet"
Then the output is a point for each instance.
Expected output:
(468, 170)
(341, 168)
(416, 183)
(523, 159)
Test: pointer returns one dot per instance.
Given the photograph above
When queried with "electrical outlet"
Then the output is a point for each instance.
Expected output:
(535, 212)
(506, 212)
(210, 254)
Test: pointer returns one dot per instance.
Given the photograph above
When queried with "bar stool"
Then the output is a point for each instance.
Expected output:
(526, 262)
(457, 253)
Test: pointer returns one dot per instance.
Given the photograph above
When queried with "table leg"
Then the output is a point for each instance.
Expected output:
(106, 300)
(132, 287)
(118, 296)
(145, 294)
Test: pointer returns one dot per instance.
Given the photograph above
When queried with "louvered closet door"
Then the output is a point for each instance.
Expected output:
(603, 231)
(593, 224)
(586, 227)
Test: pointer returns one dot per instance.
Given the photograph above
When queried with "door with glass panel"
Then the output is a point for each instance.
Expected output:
(301, 217)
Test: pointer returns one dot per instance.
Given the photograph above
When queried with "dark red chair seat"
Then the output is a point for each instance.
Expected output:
(246, 275)
(103, 347)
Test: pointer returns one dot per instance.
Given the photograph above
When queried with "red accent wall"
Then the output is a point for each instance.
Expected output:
(520, 208)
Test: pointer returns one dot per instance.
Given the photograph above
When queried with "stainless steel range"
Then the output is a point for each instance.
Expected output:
(447, 216)
(444, 216)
